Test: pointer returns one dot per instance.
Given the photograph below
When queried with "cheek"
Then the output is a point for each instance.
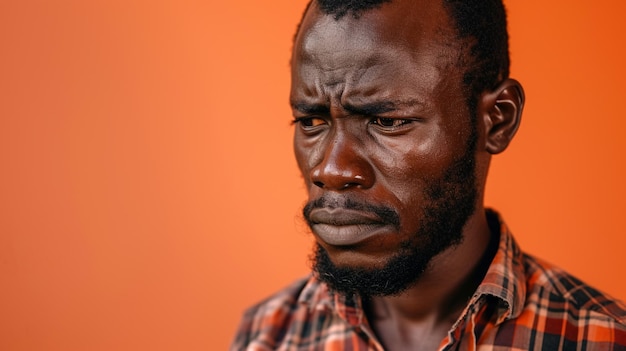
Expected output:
(401, 177)
(301, 160)
(306, 154)
(406, 161)
(406, 170)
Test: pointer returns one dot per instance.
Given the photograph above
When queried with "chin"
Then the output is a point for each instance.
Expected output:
(350, 272)
(368, 257)
(355, 259)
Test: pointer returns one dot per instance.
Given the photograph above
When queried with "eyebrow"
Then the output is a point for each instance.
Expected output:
(369, 109)
(311, 109)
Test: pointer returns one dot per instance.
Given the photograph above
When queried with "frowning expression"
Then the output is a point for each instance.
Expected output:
(383, 135)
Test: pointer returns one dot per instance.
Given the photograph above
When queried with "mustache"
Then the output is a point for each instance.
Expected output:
(386, 214)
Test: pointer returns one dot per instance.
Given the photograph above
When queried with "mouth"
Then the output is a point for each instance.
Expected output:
(345, 227)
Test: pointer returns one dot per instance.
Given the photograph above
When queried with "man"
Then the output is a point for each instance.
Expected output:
(398, 106)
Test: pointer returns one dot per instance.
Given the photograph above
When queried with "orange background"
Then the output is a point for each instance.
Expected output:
(148, 190)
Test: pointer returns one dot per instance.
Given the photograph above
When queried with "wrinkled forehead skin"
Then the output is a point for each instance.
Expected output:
(420, 29)
(398, 20)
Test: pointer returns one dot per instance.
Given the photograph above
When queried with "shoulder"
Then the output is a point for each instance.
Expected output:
(265, 323)
(552, 287)
(561, 312)
(284, 300)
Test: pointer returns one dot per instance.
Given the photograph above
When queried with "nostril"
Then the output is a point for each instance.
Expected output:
(341, 168)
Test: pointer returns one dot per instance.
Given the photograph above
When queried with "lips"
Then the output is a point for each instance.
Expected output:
(343, 227)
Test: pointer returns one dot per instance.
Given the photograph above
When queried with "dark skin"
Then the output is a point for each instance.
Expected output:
(381, 112)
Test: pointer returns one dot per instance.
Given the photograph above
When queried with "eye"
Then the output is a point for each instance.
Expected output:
(390, 123)
(309, 122)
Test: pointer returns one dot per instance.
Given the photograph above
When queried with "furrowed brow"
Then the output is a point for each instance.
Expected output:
(376, 108)
(370, 109)
(310, 109)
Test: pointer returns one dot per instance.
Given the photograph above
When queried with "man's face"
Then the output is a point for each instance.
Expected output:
(384, 141)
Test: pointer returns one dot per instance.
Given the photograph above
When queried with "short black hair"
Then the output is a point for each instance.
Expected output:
(483, 23)
(340, 8)
(480, 23)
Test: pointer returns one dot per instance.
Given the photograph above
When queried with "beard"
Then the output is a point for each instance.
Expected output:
(450, 201)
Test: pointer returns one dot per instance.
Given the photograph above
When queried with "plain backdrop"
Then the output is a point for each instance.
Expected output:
(148, 192)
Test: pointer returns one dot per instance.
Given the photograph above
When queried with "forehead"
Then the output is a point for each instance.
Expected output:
(405, 22)
(387, 48)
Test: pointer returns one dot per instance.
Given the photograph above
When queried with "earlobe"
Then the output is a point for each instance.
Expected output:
(501, 110)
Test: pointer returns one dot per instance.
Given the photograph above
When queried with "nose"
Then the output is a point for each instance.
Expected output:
(343, 165)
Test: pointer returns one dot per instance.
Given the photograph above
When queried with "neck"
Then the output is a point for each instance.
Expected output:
(442, 292)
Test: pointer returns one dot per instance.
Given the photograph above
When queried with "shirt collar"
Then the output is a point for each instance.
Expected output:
(505, 279)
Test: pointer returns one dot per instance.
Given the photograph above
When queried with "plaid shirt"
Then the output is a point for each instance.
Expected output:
(523, 303)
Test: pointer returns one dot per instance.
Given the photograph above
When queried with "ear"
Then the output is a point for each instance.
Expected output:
(501, 112)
